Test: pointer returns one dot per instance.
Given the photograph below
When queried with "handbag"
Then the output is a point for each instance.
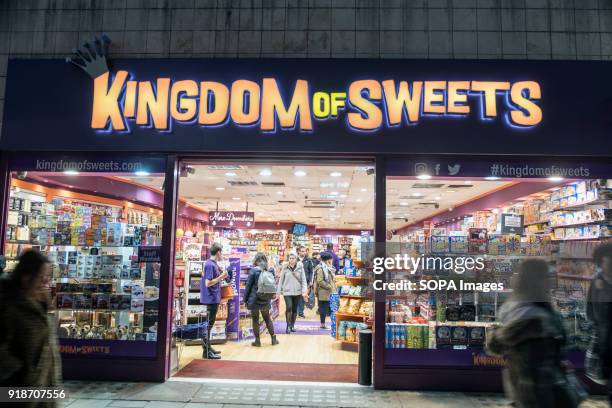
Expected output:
(227, 291)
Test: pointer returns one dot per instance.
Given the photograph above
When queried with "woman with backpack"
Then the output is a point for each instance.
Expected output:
(324, 285)
(292, 285)
(258, 293)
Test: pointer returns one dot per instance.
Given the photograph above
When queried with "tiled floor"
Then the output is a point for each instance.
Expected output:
(245, 394)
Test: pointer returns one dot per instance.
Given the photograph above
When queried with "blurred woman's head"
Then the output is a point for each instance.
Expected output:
(31, 274)
(532, 281)
(260, 260)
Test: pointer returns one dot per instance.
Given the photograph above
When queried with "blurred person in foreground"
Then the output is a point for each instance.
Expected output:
(29, 354)
(599, 312)
(531, 338)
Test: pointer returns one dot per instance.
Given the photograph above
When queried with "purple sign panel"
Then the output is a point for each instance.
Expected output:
(233, 219)
(232, 327)
(107, 348)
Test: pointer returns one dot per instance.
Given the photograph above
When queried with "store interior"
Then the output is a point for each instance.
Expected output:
(94, 227)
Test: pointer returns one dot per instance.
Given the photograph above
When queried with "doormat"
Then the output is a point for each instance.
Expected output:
(303, 327)
(265, 371)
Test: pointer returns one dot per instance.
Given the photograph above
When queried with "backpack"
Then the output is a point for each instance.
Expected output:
(266, 285)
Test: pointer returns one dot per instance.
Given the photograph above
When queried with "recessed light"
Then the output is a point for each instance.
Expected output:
(279, 192)
(142, 173)
(416, 194)
(71, 173)
(343, 195)
(352, 211)
(332, 209)
(236, 198)
(359, 200)
(220, 188)
(492, 178)
(334, 193)
(403, 204)
(335, 174)
(424, 176)
(467, 182)
(363, 190)
(230, 174)
(437, 198)
(555, 178)
(299, 173)
(450, 191)
(265, 173)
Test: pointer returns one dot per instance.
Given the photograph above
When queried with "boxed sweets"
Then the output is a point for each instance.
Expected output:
(459, 336)
(443, 336)
(476, 336)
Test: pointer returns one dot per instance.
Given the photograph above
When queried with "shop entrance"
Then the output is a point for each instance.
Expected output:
(284, 212)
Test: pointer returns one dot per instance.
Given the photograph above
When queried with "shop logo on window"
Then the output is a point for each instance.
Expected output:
(367, 105)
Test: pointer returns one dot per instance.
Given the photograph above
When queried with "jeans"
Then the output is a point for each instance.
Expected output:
(323, 310)
(212, 317)
(266, 318)
(300, 306)
(291, 307)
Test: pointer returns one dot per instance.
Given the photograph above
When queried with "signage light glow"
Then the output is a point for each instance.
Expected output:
(369, 104)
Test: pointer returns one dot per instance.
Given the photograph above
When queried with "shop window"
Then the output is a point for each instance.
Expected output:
(495, 223)
(102, 232)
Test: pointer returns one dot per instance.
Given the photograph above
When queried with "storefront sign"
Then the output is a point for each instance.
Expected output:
(233, 219)
(367, 104)
(107, 348)
(311, 106)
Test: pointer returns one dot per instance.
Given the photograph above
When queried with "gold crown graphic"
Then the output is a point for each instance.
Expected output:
(91, 58)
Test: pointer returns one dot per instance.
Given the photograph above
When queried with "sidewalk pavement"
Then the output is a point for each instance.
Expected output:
(197, 393)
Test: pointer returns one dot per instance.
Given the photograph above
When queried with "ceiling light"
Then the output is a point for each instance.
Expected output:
(492, 178)
(467, 182)
(555, 178)
(363, 190)
(416, 194)
(335, 174)
(343, 196)
(450, 191)
(142, 173)
(332, 209)
(334, 193)
(236, 198)
(71, 173)
(220, 188)
(403, 204)
(424, 176)
(230, 174)
(265, 173)
(279, 192)
(299, 173)
(352, 211)
(437, 198)
(358, 200)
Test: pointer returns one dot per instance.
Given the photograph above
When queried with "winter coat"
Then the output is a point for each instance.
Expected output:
(324, 281)
(599, 312)
(308, 269)
(29, 354)
(292, 282)
(253, 302)
(531, 338)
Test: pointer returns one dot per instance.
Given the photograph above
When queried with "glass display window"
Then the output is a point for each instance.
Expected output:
(102, 233)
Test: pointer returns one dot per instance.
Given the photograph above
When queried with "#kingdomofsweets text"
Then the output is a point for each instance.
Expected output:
(369, 103)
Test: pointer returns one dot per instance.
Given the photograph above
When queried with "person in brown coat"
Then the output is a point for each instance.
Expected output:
(28, 345)
(324, 285)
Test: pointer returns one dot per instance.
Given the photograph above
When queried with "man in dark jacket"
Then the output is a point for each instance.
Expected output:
(308, 271)
(599, 310)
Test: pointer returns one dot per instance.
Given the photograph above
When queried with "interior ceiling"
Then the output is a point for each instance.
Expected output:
(412, 200)
(318, 198)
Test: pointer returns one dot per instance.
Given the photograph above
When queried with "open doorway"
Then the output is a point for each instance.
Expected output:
(288, 213)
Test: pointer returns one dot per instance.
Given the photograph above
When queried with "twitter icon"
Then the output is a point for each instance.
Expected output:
(453, 170)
